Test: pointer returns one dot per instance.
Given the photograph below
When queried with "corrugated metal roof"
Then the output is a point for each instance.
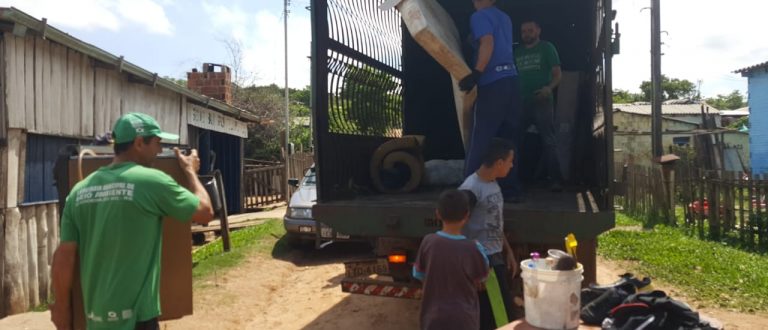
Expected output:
(738, 112)
(750, 69)
(17, 16)
(666, 109)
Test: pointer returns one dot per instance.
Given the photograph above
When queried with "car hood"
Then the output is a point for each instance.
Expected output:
(305, 196)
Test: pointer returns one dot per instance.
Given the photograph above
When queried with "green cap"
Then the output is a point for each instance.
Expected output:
(132, 125)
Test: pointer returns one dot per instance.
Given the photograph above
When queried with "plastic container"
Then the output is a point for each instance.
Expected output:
(552, 297)
(557, 254)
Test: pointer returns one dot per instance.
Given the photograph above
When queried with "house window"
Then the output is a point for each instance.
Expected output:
(42, 151)
(681, 140)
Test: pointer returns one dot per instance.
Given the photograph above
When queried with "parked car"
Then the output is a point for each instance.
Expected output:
(300, 225)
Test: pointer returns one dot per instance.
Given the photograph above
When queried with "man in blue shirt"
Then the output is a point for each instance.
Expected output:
(498, 104)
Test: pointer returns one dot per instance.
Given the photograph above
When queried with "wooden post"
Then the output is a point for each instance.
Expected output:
(702, 188)
(28, 213)
(24, 259)
(714, 209)
(12, 168)
(740, 190)
(53, 229)
(43, 266)
(13, 292)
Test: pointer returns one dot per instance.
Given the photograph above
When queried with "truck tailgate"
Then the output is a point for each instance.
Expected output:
(545, 217)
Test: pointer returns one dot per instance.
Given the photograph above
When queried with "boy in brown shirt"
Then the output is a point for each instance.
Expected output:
(451, 268)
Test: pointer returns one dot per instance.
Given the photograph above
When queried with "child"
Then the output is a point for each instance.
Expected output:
(451, 268)
(486, 225)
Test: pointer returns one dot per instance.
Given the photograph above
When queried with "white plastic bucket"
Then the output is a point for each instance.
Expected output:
(552, 297)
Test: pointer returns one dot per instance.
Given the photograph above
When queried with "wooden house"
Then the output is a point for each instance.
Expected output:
(58, 90)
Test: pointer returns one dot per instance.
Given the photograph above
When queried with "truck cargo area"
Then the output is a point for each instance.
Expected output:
(544, 216)
(372, 83)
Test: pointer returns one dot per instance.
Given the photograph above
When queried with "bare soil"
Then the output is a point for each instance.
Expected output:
(300, 290)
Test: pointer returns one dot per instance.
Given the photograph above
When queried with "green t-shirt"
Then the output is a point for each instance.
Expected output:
(114, 216)
(535, 67)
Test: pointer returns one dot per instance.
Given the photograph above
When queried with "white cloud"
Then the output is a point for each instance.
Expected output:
(90, 15)
(146, 13)
(262, 39)
(706, 40)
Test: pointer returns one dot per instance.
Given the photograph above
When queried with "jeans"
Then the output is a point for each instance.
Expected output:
(497, 114)
(150, 324)
(540, 112)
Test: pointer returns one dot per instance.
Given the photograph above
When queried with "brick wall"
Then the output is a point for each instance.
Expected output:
(215, 81)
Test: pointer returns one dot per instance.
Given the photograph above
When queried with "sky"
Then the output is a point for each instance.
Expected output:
(705, 40)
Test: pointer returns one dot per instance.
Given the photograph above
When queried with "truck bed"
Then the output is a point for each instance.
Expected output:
(573, 200)
(412, 215)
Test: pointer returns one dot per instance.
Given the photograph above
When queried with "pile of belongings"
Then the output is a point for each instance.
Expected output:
(631, 304)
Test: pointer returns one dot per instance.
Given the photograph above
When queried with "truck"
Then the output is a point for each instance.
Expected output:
(372, 83)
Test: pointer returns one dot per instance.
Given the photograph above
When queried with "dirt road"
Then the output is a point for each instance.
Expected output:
(300, 290)
(297, 291)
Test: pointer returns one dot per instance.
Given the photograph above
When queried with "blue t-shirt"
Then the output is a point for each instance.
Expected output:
(495, 22)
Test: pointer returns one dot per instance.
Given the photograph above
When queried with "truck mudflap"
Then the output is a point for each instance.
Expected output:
(357, 280)
(381, 288)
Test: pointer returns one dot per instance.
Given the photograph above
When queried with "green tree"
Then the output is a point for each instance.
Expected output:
(180, 82)
(266, 138)
(370, 103)
(672, 89)
(741, 122)
(301, 95)
(624, 96)
(732, 101)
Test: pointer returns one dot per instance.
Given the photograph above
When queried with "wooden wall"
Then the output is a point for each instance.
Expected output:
(30, 237)
(58, 91)
(52, 90)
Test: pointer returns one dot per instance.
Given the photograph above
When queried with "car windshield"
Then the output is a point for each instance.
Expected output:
(309, 178)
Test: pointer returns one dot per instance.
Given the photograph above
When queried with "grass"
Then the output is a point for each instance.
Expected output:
(710, 272)
(263, 238)
(43, 305)
(623, 220)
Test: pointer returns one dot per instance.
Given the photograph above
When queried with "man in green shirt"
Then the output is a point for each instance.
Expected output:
(539, 67)
(112, 223)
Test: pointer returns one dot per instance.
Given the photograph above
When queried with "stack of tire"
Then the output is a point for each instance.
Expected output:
(397, 166)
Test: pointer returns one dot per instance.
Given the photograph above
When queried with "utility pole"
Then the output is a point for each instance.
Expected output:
(286, 3)
(656, 93)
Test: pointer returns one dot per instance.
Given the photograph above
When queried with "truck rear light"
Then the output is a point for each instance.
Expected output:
(397, 258)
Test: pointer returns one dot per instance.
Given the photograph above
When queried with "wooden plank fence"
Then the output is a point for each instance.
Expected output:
(728, 206)
(29, 237)
(266, 183)
(715, 204)
(264, 186)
